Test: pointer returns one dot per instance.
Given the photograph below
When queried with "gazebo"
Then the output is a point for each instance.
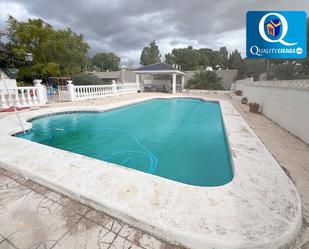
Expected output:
(163, 75)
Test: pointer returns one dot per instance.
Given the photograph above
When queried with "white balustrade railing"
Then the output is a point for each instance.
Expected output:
(91, 92)
(76, 93)
(22, 96)
(127, 88)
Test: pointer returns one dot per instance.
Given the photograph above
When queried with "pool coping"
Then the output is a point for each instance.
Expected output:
(248, 212)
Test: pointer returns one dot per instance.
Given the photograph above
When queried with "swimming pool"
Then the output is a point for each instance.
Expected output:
(179, 139)
(169, 209)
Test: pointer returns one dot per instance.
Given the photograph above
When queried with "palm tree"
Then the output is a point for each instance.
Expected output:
(207, 80)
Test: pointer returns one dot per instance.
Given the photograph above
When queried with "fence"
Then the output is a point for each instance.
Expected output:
(127, 88)
(284, 102)
(63, 93)
(75, 93)
(23, 96)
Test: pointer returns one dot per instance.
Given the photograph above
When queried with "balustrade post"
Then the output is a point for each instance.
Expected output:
(41, 92)
(28, 98)
(17, 103)
(182, 83)
(71, 90)
(174, 84)
(23, 98)
(114, 87)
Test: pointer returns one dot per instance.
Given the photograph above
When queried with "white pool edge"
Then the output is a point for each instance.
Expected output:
(220, 226)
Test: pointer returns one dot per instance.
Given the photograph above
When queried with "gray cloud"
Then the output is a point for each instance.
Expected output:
(126, 26)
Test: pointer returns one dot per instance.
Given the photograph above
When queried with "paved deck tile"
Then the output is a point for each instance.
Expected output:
(35, 217)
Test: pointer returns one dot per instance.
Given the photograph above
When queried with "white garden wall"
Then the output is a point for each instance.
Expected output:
(284, 102)
(200, 91)
(239, 84)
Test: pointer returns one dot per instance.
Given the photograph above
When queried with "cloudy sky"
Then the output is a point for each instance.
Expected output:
(126, 26)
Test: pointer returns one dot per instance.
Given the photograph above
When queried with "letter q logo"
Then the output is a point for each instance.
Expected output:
(283, 33)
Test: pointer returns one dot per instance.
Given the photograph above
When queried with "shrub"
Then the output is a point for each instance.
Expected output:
(87, 79)
(206, 80)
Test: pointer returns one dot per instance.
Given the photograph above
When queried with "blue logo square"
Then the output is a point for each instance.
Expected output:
(277, 34)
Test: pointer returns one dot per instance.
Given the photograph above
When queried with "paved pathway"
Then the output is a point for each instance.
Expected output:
(291, 153)
(34, 217)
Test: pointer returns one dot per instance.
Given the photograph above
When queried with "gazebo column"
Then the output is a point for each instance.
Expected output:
(137, 82)
(174, 83)
(182, 82)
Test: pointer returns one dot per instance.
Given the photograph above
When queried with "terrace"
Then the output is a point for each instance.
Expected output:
(85, 225)
(149, 130)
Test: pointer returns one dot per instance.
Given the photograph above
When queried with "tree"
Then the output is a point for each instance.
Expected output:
(54, 52)
(86, 79)
(236, 62)
(8, 58)
(51, 69)
(68, 50)
(214, 57)
(224, 58)
(150, 54)
(106, 61)
(187, 58)
(207, 80)
(255, 68)
(203, 61)
(287, 70)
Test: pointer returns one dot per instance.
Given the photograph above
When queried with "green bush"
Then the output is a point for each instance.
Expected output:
(87, 79)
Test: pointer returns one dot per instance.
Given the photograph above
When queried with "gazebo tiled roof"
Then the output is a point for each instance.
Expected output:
(159, 68)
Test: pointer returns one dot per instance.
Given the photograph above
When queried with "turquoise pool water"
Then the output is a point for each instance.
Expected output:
(179, 139)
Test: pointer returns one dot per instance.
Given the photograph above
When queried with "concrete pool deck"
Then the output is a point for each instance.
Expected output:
(32, 216)
(249, 212)
(291, 153)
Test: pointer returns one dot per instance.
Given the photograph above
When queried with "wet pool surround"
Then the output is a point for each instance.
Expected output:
(259, 208)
